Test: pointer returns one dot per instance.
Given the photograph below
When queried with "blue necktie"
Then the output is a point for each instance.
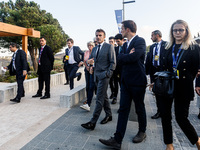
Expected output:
(98, 50)
(155, 63)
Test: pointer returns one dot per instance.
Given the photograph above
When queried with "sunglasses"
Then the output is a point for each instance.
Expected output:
(178, 30)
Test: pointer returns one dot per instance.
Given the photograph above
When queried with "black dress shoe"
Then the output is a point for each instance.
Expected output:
(198, 116)
(16, 100)
(111, 96)
(79, 77)
(45, 97)
(89, 125)
(106, 119)
(156, 116)
(37, 95)
(66, 83)
(114, 101)
(111, 142)
(139, 137)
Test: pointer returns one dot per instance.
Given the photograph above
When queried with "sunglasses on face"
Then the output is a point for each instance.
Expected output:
(178, 30)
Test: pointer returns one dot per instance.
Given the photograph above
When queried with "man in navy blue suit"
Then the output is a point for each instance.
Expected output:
(133, 85)
(19, 67)
(73, 61)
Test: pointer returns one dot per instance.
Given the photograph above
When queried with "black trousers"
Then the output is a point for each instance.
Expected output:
(72, 69)
(181, 114)
(117, 82)
(66, 74)
(44, 77)
(129, 94)
(20, 86)
(111, 83)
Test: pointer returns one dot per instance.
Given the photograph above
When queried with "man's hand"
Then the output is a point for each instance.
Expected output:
(24, 72)
(80, 64)
(132, 50)
(197, 89)
(150, 86)
(88, 68)
(90, 61)
(91, 70)
(5, 68)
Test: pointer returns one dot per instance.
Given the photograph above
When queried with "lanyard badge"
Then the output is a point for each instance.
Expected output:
(175, 60)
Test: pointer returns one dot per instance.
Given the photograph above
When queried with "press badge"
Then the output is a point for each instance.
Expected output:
(156, 57)
(177, 74)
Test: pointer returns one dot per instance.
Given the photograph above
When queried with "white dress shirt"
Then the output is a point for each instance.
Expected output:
(71, 56)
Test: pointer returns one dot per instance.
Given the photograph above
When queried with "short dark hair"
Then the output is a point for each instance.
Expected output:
(111, 37)
(130, 24)
(118, 36)
(157, 32)
(14, 45)
(42, 37)
(70, 40)
(101, 30)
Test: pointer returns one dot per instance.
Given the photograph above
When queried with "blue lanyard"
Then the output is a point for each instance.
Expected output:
(177, 55)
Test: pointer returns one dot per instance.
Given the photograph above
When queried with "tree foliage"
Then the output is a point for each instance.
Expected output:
(29, 15)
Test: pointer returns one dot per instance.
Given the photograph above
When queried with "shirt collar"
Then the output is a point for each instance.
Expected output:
(43, 46)
(128, 42)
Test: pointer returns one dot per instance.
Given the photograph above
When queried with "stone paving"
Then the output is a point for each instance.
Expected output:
(67, 134)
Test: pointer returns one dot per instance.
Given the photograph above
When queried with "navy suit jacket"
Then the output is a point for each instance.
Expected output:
(77, 53)
(133, 70)
(20, 63)
(46, 59)
(149, 59)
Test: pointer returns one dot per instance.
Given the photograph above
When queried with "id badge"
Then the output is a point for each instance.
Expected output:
(156, 58)
(177, 74)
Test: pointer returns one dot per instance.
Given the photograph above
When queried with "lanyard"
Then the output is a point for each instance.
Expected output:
(177, 55)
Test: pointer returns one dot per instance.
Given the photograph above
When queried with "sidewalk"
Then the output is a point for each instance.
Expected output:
(67, 134)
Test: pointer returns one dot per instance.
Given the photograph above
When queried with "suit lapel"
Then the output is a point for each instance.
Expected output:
(100, 51)
(131, 45)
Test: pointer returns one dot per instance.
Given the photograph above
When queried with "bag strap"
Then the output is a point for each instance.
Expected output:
(179, 59)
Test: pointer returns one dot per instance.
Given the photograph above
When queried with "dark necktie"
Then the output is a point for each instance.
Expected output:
(98, 50)
(40, 54)
(155, 64)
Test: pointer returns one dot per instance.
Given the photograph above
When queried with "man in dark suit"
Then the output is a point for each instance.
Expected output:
(133, 85)
(18, 66)
(65, 68)
(154, 61)
(103, 59)
(45, 65)
(73, 61)
(117, 72)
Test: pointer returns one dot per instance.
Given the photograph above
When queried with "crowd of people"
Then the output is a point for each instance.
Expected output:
(123, 64)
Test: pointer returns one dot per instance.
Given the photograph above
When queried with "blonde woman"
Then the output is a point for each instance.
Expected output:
(180, 47)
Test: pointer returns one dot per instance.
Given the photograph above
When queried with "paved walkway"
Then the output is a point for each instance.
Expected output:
(67, 134)
(36, 124)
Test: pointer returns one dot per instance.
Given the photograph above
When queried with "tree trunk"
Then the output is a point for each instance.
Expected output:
(33, 53)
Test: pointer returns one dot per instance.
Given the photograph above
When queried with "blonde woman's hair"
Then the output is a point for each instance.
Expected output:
(188, 37)
(90, 43)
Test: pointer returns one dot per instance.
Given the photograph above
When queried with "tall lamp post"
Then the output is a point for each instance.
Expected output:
(123, 7)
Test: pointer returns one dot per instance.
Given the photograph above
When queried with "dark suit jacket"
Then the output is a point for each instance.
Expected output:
(188, 67)
(46, 59)
(148, 64)
(133, 70)
(118, 68)
(20, 63)
(77, 53)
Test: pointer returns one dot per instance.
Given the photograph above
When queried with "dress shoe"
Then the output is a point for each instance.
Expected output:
(198, 116)
(66, 83)
(111, 96)
(139, 137)
(114, 101)
(37, 95)
(16, 100)
(156, 116)
(106, 119)
(79, 77)
(45, 97)
(111, 142)
(89, 125)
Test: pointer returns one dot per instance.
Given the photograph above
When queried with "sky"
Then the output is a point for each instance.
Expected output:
(80, 18)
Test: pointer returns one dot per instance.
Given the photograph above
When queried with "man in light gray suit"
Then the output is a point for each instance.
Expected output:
(103, 59)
